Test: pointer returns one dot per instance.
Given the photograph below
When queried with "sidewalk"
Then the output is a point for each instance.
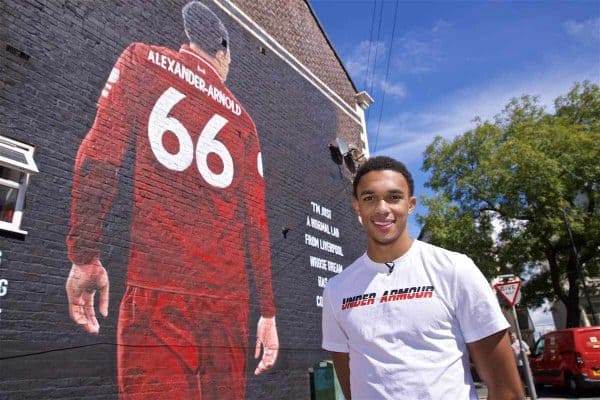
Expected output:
(482, 391)
(546, 394)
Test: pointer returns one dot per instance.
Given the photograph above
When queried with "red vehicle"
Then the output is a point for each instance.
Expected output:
(568, 357)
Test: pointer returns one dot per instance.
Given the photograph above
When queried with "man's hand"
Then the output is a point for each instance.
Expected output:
(266, 337)
(83, 282)
(495, 364)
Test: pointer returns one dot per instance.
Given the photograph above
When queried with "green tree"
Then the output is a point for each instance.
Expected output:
(510, 190)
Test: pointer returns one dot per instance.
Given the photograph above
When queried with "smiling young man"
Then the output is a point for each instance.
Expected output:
(401, 321)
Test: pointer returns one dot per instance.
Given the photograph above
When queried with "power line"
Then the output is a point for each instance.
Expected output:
(370, 42)
(376, 51)
(387, 71)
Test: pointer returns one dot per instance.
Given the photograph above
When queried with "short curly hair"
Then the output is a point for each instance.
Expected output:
(381, 163)
(204, 28)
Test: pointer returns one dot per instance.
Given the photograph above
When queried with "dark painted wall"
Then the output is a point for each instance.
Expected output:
(48, 99)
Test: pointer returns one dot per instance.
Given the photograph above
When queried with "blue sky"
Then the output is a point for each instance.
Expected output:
(450, 61)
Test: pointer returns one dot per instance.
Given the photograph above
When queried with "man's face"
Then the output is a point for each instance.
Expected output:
(383, 203)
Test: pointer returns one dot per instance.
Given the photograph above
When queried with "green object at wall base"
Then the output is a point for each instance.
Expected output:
(324, 382)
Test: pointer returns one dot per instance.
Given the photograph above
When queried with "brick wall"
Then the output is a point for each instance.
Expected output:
(48, 95)
(288, 21)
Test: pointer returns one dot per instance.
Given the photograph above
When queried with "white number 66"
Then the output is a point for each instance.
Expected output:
(160, 122)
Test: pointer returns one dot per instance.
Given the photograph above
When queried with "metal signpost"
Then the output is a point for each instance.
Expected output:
(509, 288)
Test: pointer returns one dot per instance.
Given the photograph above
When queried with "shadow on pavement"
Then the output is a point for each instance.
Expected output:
(546, 393)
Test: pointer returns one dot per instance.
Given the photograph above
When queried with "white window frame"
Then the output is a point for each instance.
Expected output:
(25, 169)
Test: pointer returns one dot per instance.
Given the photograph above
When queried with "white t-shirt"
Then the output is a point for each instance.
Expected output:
(406, 331)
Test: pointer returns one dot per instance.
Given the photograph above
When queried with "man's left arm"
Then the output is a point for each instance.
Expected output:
(257, 233)
(495, 364)
(484, 329)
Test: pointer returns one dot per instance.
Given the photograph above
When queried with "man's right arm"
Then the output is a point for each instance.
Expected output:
(97, 163)
(341, 363)
(94, 186)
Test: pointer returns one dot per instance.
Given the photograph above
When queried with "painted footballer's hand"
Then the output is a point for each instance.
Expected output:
(266, 337)
(83, 282)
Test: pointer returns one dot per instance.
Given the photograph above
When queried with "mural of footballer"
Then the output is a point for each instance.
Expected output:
(199, 207)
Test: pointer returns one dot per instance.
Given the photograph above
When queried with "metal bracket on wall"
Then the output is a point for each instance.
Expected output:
(17, 52)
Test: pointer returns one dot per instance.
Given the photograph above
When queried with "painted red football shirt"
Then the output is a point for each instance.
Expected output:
(199, 202)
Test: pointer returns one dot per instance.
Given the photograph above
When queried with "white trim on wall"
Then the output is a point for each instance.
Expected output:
(244, 20)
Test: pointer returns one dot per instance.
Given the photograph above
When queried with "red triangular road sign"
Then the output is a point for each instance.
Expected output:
(509, 290)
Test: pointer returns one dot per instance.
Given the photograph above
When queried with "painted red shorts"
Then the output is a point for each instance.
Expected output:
(177, 346)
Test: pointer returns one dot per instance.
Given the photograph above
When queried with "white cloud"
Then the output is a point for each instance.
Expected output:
(392, 89)
(407, 134)
(357, 61)
(542, 319)
(587, 31)
(360, 65)
(415, 52)
(440, 26)
(421, 50)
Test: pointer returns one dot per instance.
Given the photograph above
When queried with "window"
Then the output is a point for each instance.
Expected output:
(16, 166)
(539, 347)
